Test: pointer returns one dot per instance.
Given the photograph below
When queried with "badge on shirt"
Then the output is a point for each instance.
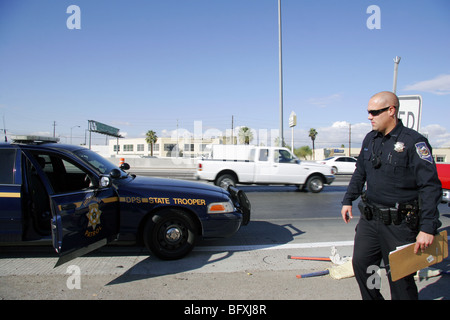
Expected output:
(399, 146)
(423, 152)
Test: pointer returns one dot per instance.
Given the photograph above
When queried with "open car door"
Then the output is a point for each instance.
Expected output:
(83, 221)
(84, 206)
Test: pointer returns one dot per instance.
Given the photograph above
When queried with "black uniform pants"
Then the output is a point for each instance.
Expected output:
(373, 242)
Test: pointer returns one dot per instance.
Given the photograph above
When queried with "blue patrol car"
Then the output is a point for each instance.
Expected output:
(81, 201)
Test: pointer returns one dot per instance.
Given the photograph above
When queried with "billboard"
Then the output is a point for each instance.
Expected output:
(102, 128)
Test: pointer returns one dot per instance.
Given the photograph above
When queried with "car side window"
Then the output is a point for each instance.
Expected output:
(64, 175)
(263, 154)
(283, 156)
(7, 161)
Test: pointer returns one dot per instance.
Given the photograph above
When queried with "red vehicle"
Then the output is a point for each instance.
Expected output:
(443, 170)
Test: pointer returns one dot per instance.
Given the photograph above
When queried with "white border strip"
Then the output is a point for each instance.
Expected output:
(275, 247)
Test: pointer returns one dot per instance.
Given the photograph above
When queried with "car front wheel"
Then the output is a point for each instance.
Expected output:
(170, 234)
(314, 184)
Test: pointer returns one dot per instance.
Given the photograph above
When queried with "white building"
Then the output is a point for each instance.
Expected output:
(164, 147)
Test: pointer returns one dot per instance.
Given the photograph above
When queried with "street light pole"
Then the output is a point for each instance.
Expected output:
(396, 62)
(71, 132)
(280, 73)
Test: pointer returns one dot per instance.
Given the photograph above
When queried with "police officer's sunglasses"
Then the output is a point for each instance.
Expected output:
(377, 112)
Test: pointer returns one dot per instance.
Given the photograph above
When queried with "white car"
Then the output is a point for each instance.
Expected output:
(340, 164)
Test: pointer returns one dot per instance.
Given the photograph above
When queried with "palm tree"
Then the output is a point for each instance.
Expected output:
(151, 138)
(245, 135)
(303, 152)
(312, 134)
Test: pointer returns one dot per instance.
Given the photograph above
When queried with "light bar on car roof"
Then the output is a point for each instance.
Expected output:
(33, 139)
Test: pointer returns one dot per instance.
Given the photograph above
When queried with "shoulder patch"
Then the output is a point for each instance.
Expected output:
(423, 152)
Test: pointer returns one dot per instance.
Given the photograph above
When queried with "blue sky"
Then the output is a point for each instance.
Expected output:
(142, 65)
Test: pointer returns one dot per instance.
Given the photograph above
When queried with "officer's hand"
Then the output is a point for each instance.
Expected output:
(346, 213)
(423, 240)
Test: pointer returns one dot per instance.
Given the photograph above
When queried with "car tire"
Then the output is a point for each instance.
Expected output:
(315, 184)
(226, 180)
(170, 234)
(335, 170)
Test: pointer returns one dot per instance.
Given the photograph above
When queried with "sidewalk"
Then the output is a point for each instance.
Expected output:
(240, 275)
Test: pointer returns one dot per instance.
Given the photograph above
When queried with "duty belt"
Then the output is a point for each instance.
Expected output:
(407, 211)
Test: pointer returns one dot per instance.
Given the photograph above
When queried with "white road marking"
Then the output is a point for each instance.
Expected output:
(274, 246)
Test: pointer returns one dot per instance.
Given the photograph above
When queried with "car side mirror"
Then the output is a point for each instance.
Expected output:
(115, 173)
(125, 166)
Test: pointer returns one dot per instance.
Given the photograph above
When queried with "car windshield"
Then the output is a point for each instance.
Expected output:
(98, 162)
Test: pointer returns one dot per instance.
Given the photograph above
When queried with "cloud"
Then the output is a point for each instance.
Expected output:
(42, 133)
(439, 85)
(338, 134)
(323, 102)
(340, 124)
(332, 136)
(438, 135)
(121, 123)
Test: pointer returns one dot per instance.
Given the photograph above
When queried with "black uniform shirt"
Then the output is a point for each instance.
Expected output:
(406, 172)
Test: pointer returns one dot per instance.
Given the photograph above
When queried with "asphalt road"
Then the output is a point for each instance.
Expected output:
(251, 265)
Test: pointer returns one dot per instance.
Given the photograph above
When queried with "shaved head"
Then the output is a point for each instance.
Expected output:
(386, 119)
(386, 98)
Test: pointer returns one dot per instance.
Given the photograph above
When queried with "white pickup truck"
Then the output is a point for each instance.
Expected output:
(233, 164)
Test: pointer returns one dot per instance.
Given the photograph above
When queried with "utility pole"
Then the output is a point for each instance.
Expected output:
(4, 128)
(349, 139)
(280, 73)
(232, 128)
(396, 62)
(54, 128)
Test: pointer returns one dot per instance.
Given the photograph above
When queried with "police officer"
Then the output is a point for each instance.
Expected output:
(399, 203)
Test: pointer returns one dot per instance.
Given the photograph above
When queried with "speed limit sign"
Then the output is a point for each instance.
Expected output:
(410, 111)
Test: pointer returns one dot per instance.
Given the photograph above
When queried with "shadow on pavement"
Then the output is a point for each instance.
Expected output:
(153, 267)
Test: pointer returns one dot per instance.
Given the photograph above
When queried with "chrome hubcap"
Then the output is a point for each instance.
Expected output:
(173, 234)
